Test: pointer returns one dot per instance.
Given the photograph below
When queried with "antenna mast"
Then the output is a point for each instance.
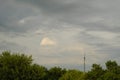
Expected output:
(84, 62)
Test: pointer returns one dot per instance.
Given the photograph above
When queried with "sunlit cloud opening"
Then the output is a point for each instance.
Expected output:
(47, 42)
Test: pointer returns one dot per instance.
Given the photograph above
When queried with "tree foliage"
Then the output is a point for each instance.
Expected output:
(95, 72)
(15, 66)
(55, 73)
(112, 72)
(19, 67)
(72, 75)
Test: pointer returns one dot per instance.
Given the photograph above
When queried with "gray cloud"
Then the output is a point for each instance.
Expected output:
(10, 46)
(75, 12)
(11, 13)
(53, 6)
(73, 24)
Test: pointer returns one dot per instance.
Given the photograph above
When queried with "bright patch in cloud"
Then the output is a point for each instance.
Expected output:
(47, 42)
(22, 21)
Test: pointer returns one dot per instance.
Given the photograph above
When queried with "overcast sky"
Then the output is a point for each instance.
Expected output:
(59, 32)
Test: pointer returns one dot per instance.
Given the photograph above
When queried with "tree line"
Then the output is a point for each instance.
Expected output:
(20, 67)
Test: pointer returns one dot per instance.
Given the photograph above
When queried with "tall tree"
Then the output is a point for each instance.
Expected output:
(112, 72)
(111, 66)
(95, 73)
(19, 67)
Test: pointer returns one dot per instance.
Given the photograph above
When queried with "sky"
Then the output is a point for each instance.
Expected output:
(60, 32)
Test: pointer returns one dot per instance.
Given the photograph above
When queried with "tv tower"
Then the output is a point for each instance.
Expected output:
(84, 61)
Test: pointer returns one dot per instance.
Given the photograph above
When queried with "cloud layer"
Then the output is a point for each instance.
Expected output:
(58, 32)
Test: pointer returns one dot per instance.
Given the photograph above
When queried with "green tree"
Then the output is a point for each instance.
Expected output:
(55, 73)
(111, 66)
(19, 67)
(112, 71)
(95, 73)
(73, 75)
(38, 72)
(109, 76)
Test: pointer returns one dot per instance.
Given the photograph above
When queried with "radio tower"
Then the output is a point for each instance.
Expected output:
(84, 62)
